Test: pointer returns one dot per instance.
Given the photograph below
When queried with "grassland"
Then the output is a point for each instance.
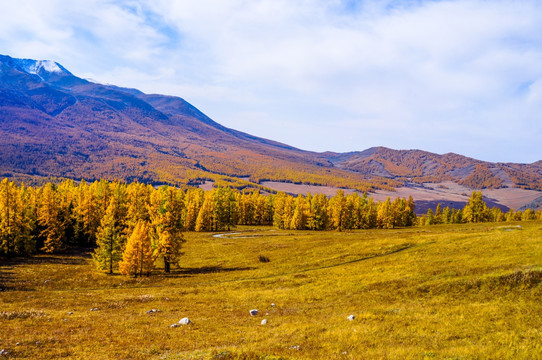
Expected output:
(440, 292)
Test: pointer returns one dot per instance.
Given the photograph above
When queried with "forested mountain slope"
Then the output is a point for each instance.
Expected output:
(55, 124)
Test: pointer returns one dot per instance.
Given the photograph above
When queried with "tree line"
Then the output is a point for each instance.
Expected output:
(475, 211)
(131, 226)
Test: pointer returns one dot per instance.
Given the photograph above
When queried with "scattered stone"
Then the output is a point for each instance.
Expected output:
(264, 322)
(253, 312)
(185, 321)
(174, 325)
(70, 313)
(64, 319)
(295, 347)
(152, 311)
(94, 309)
(46, 281)
(17, 343)
(351, 317)
(273, 304)
(266, 313)
(3, 352)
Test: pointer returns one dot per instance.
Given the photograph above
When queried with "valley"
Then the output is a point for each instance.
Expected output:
(426, 195)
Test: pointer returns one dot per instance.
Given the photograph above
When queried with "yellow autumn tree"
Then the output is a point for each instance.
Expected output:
(138, 195)
(318, 215)
(168, 224)
(247, 209)
(278, 214)
(169, 248)
(8, 217)
(476, 209)
(16, 222)
(52, 220)
(137, 258)
(337, 210)
(385, 215)
(193, 201)
(205, 218)
(87, 215)
(299, 218)
(225, 209)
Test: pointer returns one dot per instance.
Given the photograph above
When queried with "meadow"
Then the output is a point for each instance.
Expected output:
(469, 291)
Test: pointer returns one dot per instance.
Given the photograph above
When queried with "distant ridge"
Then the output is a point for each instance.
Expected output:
(422, 166)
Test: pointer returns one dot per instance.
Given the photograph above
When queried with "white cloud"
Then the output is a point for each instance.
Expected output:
(460, 76)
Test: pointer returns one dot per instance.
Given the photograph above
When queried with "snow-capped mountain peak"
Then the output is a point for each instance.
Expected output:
(35, 67)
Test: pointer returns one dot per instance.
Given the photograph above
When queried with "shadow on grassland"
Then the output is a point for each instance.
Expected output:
(67, 257)
(210, 270)
(6, 278)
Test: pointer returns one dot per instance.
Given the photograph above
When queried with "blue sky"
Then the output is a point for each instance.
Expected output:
(442, 76)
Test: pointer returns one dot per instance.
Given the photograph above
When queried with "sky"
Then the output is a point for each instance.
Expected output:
(459, 76)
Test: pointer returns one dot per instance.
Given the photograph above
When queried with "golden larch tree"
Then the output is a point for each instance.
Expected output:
(51, 219)
(167, 223)
(137, 258)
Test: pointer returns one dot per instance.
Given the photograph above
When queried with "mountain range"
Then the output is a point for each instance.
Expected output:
(55, 124)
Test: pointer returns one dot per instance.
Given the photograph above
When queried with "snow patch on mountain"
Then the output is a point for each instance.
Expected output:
(49, 66)
(35, 66)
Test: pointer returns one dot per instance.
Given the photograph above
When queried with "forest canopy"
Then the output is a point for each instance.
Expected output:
(103, 216)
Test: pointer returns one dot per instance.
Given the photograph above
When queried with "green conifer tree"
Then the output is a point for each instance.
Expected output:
(110, 237)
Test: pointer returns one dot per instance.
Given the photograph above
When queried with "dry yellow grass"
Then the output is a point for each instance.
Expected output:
(441, 292)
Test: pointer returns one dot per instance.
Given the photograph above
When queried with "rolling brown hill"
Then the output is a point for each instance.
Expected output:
(54, 124)
(418, 166)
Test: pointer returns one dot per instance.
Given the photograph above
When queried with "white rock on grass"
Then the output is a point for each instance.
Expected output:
(351, 317)
(253, 312)
(174, 325)
(185, 321)
(94, 309)
(264, 322)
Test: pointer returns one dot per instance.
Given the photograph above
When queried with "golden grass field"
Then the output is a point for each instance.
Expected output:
(439, 292)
